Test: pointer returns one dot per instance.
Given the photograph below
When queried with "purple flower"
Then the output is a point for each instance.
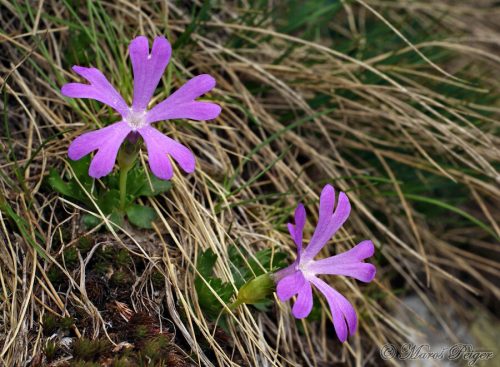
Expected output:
(297, 278)
(136, 120)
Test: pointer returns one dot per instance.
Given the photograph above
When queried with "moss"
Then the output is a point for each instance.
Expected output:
(66, 323)
(89, 350)
(175, 360)
(64, 235)
(97, 289)
(50, 350)
(118, 257)
(122, 258)
(53, 323)
(156, 348)
(122, 362)
(85, 244)
(55, 275)
(158, 279)
(120, 278)
(50, 324)
(141, 332)
(84, 364)
(140, 327)
(70, 257)
(101, 267)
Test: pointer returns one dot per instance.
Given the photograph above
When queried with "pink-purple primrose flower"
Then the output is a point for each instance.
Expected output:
(297, 278)
(136, 120)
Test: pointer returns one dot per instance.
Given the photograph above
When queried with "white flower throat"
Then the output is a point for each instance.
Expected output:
(304, 268)
(136, 119)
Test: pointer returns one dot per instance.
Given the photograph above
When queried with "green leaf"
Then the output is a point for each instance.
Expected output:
(207, 300)
(158, 187)
(141, 216)
(268, 260)
(109, 201)
(138, 184)
(206, 262)
(90, 221)
(73, 188)
(264, 305)
(206, 297)
(65, 188)
(81, 170)
(250, 267)
(454, 209)
(117, 217)
(238, 266)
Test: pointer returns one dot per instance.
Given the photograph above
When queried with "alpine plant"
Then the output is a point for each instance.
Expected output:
(136, 120)
(300, 277)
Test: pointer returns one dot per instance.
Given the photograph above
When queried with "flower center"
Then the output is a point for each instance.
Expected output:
(136, 119)
(304, 268)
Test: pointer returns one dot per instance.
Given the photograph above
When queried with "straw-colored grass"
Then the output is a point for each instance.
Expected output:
(393, 102)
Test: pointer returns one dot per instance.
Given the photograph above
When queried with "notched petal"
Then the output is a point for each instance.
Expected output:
(148, 67)
(106, 141)
(304, 302)
(181, 104)
(159, 147)
(290, 285)
(99, 89)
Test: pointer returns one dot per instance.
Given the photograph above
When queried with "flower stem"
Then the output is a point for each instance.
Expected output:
(123, 187)
(235, 304)
(126, 160)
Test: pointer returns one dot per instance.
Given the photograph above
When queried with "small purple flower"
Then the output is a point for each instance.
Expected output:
(297, 278)
(136, 120)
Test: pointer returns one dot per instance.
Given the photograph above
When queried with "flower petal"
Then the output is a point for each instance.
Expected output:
(304, 302)
(280, 274)
(340, 215)
(328, 223)
(360, 252)
(362, 271)
(297, 228)
(341, 309)
(148, 68)
(182, 104)
(99, 89)
(93, 140)
(160, 147)
(326, 205)
(348, 263)
(290, 285)
(107, 140)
